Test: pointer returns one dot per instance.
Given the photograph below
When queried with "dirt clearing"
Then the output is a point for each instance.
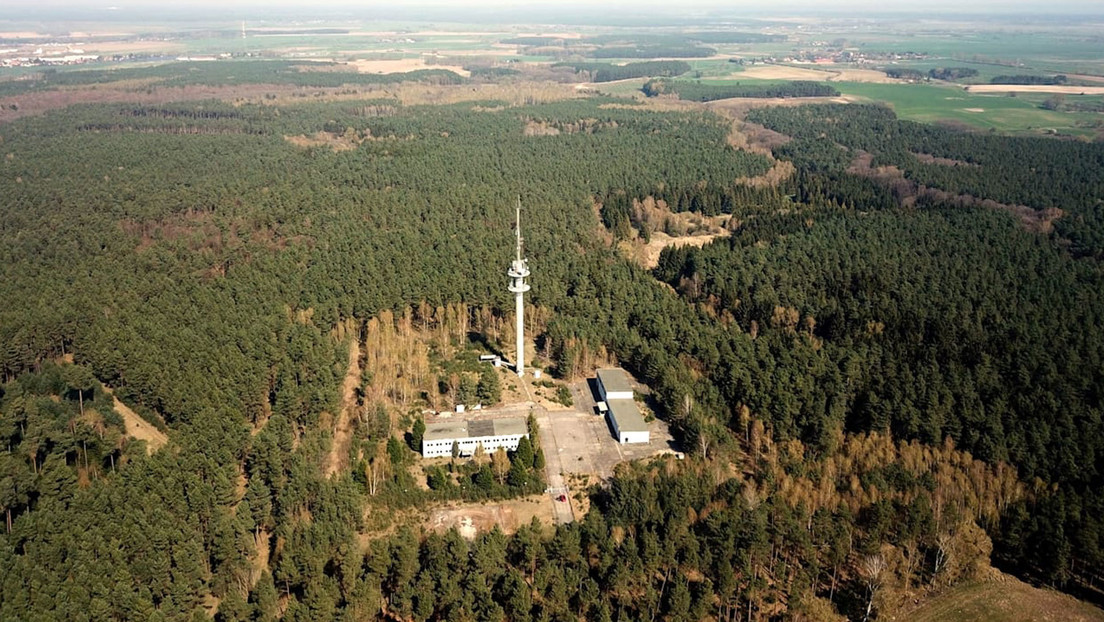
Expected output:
(783, 72)
(139, 428)
(661, 241)
(471, 519)
(1035, 88)
(863, 75)
(402, 65)
(343, 429)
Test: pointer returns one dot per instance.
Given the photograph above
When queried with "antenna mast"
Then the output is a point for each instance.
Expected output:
(518, 272)
(517, 226)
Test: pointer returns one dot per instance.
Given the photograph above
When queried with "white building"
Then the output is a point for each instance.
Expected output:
(467, 435)
(614, 384)
(624, 417)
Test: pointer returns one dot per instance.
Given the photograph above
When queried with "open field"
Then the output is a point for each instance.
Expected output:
(947, 104)
(841, 73)
(1003, 598)
(402, 65)
(1035, 88)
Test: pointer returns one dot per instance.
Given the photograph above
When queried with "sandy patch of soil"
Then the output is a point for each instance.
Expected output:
(928, 158)
(402, 65)
(322, 139)
(862, 75)
(1035, 88)
(139, 428)
(783, 72)
(471, 519)
(661, 241)
(974, 109)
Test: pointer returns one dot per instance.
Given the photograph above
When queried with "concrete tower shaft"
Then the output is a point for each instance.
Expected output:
(518, 272)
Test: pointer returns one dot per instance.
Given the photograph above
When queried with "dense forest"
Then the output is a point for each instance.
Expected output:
(608, 72)
(868, 392)
(704, 92)
(298, 73)
(1039, 173)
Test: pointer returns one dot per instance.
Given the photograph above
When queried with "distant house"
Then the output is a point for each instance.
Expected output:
(467, 435)
(616, 390)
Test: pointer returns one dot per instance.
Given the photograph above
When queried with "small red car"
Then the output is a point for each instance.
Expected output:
(561, 498)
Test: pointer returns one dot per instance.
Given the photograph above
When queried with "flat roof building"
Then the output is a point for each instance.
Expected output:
(628, 425)
(614, 384)
(467, 435)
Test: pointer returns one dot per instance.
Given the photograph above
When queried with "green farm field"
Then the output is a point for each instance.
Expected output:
(934, 104)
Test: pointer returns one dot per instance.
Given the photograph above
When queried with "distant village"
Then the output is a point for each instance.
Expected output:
(835, 56)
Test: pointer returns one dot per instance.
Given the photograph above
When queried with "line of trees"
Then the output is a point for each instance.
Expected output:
(607, 72)
(704, 92)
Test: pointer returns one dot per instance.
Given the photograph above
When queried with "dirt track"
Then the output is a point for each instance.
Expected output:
(343, 429)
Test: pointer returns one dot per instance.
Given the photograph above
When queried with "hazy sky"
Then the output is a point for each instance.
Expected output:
(508, 10)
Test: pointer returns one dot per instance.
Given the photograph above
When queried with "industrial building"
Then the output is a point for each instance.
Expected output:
(624, 417)
(467, 435)
(613, 384)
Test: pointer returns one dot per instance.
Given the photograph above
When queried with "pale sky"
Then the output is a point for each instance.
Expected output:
(564, 9)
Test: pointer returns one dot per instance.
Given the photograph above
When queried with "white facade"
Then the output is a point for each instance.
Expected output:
(613, 384)
(468, 435)
(634, 437)
(467, 446)
(623, 415)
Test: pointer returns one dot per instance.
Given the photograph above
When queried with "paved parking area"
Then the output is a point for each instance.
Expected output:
(583, 442)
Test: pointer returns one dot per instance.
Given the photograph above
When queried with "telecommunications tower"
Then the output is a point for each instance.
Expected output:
(518, 272)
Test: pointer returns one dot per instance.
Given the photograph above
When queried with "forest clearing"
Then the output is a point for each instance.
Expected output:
(137, 427)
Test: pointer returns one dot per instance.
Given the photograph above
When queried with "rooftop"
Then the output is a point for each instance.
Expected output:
(627, 416)
(476, 428)
(615, 380)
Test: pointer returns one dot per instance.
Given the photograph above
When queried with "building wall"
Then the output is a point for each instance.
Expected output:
(467, 445)
(613, 395)
(626, 437)
(634, 437)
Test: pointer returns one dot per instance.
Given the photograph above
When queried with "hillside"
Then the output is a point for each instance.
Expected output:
(1001, 598)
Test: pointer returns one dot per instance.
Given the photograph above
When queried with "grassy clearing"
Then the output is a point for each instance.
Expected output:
(1004, 599)
(932, 104)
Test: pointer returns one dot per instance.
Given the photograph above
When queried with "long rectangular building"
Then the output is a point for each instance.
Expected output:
(467, 435)
(628, 425)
